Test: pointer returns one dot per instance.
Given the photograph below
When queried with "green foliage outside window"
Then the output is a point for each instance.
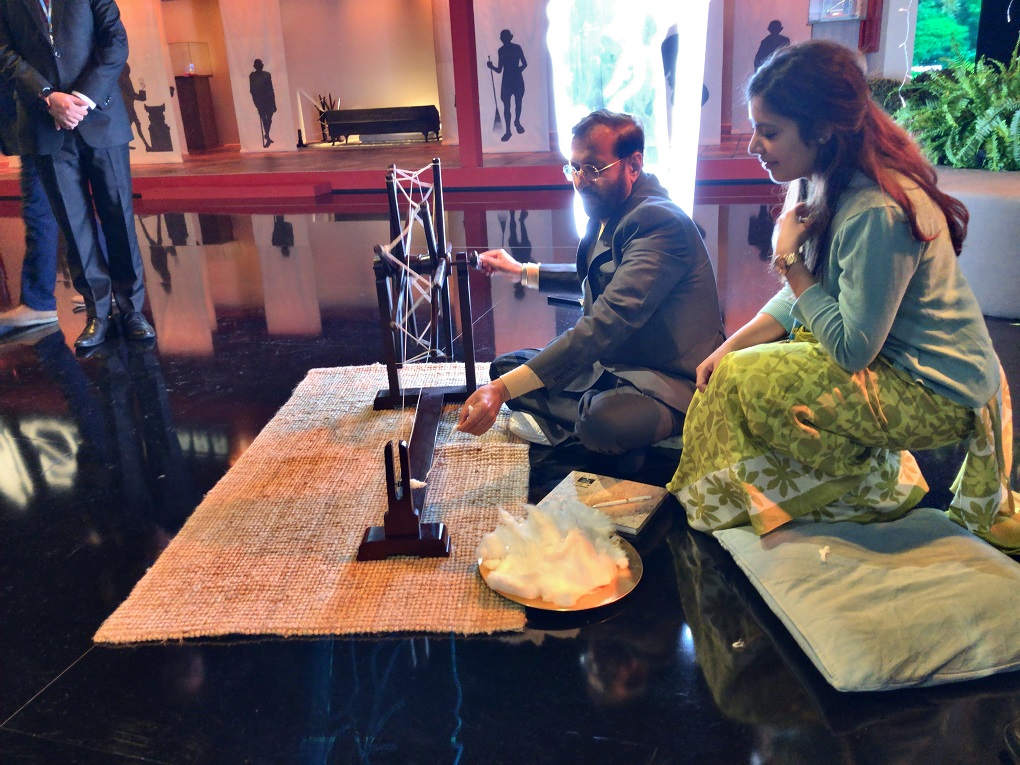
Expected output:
(944, 26)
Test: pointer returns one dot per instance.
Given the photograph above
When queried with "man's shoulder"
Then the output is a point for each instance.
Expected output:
(656, 207)
(649, 191)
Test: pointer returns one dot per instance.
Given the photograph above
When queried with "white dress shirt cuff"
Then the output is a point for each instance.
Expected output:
(520, 381)
(86, 99)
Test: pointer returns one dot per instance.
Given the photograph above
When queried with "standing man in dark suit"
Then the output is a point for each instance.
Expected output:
(621, 379)
(65, 57)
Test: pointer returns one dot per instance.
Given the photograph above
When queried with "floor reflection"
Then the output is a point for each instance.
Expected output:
(103, 456)
(291, 270)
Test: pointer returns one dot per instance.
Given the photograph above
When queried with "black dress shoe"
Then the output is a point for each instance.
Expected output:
(133, 326)
(93, 334)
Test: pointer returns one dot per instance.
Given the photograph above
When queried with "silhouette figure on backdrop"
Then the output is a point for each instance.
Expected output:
(130, 95)
(159, 131)
(772, 43)
(511, 64)
(670, 48)
(260, 83)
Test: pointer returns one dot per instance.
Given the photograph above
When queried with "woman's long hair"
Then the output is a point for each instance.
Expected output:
(820, 84)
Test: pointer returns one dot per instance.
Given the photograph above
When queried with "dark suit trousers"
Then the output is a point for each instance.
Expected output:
(83, 182)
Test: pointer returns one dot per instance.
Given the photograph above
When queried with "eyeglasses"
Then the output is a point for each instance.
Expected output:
(589, 172)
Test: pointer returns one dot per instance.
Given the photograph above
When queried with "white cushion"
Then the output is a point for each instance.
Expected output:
(914, 602)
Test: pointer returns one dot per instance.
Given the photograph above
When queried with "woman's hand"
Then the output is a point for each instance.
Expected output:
(500, 262)
(761, 329)
(707, 367)
(792, 229)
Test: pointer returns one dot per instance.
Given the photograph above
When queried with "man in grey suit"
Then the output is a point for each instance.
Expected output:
(65, 57)
(622, 378)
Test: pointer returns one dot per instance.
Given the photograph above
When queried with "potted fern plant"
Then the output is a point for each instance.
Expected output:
(967, 119)
(968, 115)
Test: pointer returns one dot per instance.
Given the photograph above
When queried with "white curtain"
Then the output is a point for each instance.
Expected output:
(252, 30)
(146, 87)
(751, 19)
(711, 109)
(525, 20)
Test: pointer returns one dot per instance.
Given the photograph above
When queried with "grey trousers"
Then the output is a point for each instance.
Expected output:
(611, 417)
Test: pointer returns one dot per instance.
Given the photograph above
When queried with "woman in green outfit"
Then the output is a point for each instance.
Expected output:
(873, 346)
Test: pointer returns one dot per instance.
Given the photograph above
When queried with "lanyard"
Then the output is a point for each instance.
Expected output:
(48, 10)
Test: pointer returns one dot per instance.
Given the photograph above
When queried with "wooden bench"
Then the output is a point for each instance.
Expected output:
(343, 123)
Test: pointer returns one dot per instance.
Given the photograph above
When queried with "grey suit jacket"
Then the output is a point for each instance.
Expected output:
(651, 309)
(89, 50)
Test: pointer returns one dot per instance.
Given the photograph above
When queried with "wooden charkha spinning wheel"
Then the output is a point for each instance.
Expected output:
(408, 286)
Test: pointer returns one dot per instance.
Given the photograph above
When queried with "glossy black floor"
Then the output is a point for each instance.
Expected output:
(102, 458)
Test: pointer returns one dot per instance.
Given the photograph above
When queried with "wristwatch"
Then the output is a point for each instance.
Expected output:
(783, 261)
(44, 94)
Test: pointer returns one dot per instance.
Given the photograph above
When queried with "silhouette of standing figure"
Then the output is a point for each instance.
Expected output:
(130, 95)
(772, 43)
(260, 83)
(511, 64)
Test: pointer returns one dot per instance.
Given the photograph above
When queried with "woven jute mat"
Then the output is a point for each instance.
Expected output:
(271, 550)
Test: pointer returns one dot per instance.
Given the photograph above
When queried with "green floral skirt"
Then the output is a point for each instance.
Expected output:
(784, 433)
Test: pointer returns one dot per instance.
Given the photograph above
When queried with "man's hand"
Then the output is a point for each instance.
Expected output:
(67, 110)
(481, 408)
(500, 262)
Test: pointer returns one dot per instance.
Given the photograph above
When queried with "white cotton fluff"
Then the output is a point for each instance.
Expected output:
(559, 552)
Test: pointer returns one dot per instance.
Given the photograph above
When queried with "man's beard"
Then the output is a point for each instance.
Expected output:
(596, 206)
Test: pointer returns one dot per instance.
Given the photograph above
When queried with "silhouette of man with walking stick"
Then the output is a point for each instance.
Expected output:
(511, 64)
